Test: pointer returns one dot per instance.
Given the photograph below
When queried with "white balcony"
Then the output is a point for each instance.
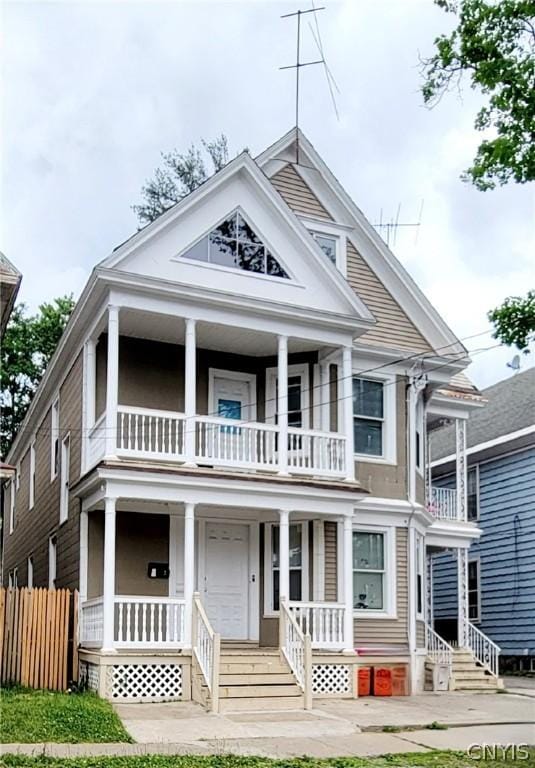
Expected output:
(443, 504)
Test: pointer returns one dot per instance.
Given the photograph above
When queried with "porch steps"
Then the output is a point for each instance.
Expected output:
(469, 675)
(250, 679)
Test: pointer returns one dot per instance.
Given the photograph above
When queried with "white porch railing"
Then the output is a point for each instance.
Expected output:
(485, 651)
(206, 646)
(96, 441)
(324, 622)
(92, 622)
(149, 622)
(313, 452)
(443, 504)
(223, 442)
(296, 648)
(150, 432)
(438, 650)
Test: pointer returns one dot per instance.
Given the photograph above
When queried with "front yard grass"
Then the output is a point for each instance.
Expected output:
(412, 760)
(28, 716)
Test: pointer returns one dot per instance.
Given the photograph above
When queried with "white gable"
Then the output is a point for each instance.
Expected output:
(160, 251)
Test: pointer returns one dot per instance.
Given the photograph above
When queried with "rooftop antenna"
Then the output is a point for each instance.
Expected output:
(297, 66)
(388, 229)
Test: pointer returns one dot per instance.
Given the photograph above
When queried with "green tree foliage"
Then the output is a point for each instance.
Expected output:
(514, 321)
(493, 44)
(28, 344)
(181, 174)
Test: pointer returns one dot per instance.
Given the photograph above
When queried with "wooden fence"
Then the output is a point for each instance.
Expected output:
(37, 627)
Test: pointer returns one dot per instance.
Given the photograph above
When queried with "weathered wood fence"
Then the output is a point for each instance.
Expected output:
(37, 628)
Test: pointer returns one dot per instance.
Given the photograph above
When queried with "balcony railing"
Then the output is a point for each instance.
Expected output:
(443, 504)
(147, 433)
(324, 622)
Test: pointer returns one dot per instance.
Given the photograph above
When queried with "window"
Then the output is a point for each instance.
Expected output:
(54, 440)
(30, 572)
(52, 553)
(473, 494)
(298, 396)
(64, 485)
(11, 506)
(420, 433)
(235, 244)
(369, 571)
(328, 245)
(298, 565)
(32, 476)
(474, 612)
(368, 416)
(17, 476)
(420, 565)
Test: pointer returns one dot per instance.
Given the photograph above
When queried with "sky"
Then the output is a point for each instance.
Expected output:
(94, 91)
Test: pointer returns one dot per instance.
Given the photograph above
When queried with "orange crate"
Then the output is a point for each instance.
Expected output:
(364, 681)
(399, 681)
(382, 681)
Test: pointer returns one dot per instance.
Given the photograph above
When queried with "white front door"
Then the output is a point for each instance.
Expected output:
(226, 580)
(233, 396)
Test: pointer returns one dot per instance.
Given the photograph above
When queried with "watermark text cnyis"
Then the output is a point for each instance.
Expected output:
(505, 752)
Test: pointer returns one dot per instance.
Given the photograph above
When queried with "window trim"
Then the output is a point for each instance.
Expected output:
(299, 369)
(268, 610)
(31, 499)
(389, 455)
(12, 501)
(52, 561)
(474, 468)
(65, 467)
(389, 611)
(419, 557)
(477, 561)
(330, 229)
(54, 439)
(29, 566)
(419, 427)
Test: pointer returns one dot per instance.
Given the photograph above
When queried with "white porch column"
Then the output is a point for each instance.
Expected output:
(108, 591)
(460, 442)
(347, 410)
(282, 406)
(82, 578)
(190, 393)
(112, 381)
(462, 597)
(284, 554)
(429, 605)
(189, 567)
(325, 405)
(349, 642)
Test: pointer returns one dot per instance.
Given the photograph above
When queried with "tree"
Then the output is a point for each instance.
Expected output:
(494, 45)
(180, 175)
(514, 321)
(28, 345)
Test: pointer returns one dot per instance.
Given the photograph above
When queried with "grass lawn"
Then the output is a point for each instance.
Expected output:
(414, 760)
(34, 716)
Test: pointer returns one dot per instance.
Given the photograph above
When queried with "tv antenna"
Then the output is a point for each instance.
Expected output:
(389, 229)
(297, 66)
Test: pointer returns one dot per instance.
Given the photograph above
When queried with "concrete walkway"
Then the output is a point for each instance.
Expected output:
(331, 729)
(524, 686)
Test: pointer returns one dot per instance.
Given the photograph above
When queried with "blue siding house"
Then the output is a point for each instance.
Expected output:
(501, 498)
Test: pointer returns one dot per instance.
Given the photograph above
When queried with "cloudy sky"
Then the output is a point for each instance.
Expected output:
(93, 91)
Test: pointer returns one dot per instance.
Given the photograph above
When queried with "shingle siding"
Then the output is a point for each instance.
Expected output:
(506, 552)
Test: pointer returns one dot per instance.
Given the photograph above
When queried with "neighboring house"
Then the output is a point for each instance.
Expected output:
(229, 443)
(10, 279)
(501, 500)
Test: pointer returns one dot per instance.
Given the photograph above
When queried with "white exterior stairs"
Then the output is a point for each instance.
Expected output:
(251, 679)
(467, 674)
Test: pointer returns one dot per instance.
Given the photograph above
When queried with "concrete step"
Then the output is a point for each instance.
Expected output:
(488, 683)
(261, 704)
(258, 691)
(470, 674)
(266, 678)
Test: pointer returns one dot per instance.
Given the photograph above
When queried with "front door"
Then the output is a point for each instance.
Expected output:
(226, 580)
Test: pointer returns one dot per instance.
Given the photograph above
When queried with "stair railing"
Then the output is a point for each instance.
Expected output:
(206, 646)
(485, 651)
(296, 647)
(438, 650)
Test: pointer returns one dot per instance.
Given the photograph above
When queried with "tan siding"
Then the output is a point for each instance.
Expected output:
(297, 194)
(393, 328)
(141, 539)
(35, 526)
(420, 634)
(331, 576)
(389, 631)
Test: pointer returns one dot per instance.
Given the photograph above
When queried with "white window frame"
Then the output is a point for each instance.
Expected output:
(52, 561)
(54, 439)
(419, 418)
(64, 478)
(475, 469)
(419, 554)
(271, 405)
(389, 382)
(477, 561)
(269, 612)
(389, 610)
(330, 229)
(31, 501)
(17, 475)
(30, 572)
(250, 378)
(12, 487)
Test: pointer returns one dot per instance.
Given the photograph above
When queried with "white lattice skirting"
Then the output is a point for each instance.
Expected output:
(331, 678)
(145, 682)
(89, 672)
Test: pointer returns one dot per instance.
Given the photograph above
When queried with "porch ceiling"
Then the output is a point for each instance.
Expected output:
(222, 338)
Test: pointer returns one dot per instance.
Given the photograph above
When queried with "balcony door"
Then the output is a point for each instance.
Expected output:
(298, 396)
(232, 395)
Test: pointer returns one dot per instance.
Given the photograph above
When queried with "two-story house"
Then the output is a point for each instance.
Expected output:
(501, 500)
(226, 455)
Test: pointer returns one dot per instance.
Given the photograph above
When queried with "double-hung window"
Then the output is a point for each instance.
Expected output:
(369, 416)
(32, 476)
(298, 534)
(64, 480)
(420, 434)
(420, 571)
(369, 571)
(12, 506)
(328, 244)
(474, 590)
(473, 494)
(54, 439)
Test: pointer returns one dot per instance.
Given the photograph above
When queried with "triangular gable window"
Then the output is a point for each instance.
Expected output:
(235, 244)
